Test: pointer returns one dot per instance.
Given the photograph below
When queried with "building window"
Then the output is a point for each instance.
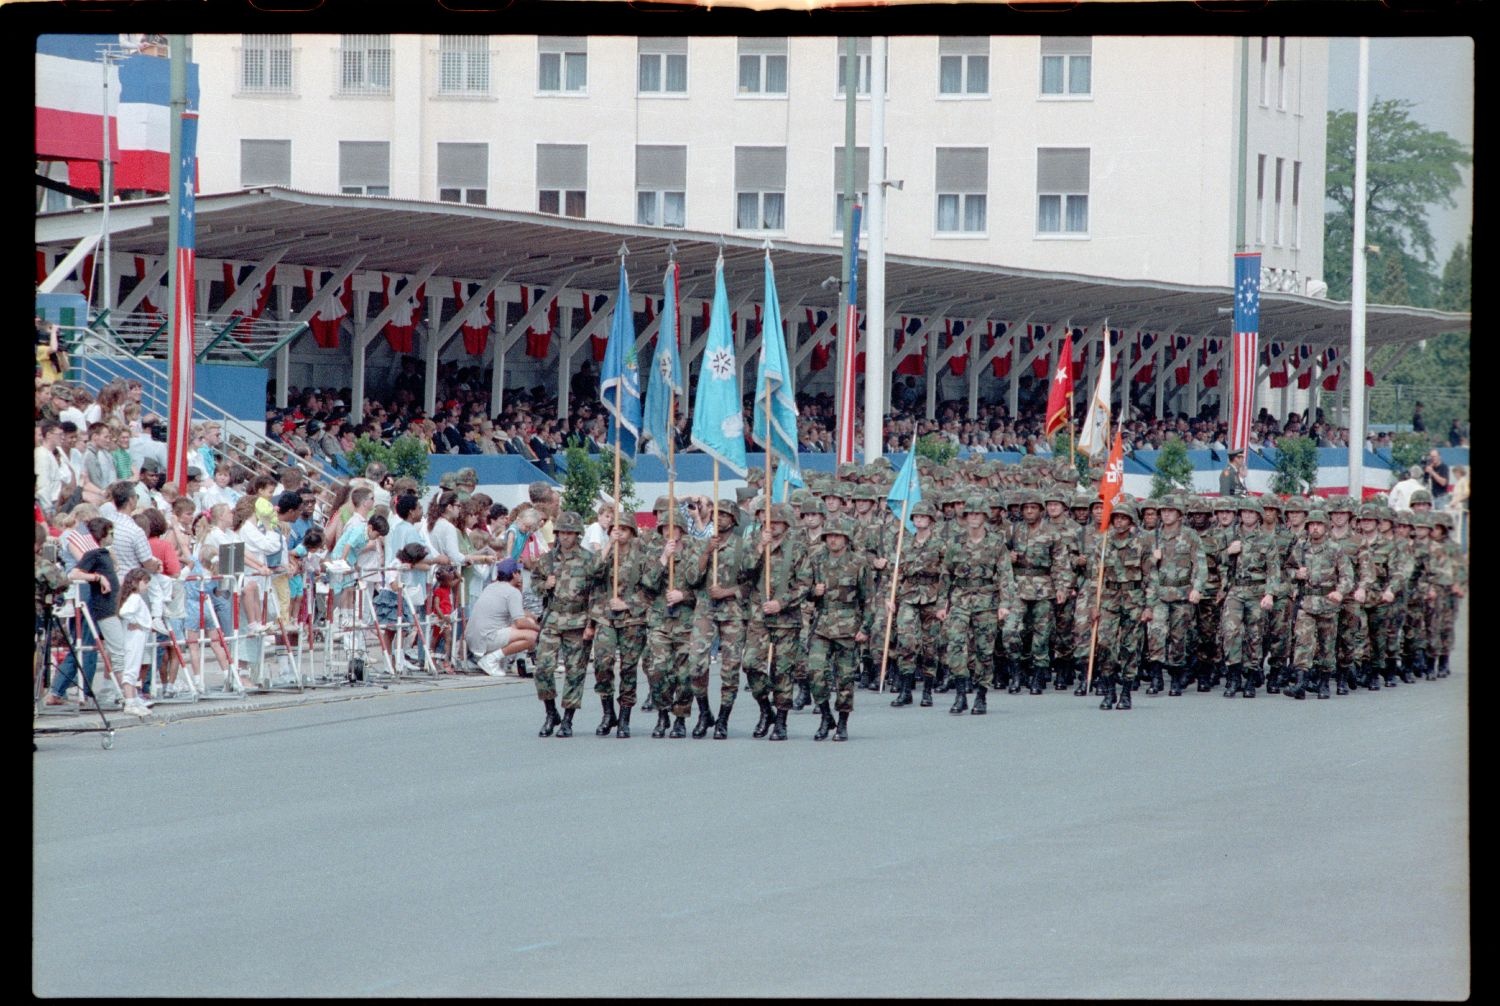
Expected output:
(862, 70)
(266, 63)
(1067, 65)
(762, 66)
(562, 175)
(464, 64)
(1276, 229)
(1260, 199)
(562, 64)
(463, 172)
(1281, 73)
(1296, 204)
(364, 168)
(861, 186)
(661, 67)
(962, 189)
(964, 64)
(760, 188)
(265, 162)
(364, 64)
(1265, 72)
(1062, 186)
(661, 186)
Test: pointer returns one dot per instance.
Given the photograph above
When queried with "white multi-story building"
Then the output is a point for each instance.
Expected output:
(1103, 156)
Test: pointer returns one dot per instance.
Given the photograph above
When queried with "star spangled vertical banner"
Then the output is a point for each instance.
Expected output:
(180, 378)
(666, 374)
(1246, 338)
(850, 338)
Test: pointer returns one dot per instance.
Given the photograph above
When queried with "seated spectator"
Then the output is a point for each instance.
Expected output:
(499, 626)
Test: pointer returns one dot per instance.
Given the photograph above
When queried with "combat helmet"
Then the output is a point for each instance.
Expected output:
(1317, 516)
(1420, 496)
(838, 525)
(568, 522)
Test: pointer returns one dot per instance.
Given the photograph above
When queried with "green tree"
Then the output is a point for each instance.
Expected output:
(405, 457)
(1407, 449)
(1060, 441)
(1174, 470)
(1456, 289)
(1296, 466)
(939, 450)
(1392, 287)
(1409, 169)
(586, 475)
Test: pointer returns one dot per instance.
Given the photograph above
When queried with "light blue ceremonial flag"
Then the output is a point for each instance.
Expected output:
(777, 432)
(619, 378)
(788, 477)
(906, 489)
(665, 381)
(718, 416)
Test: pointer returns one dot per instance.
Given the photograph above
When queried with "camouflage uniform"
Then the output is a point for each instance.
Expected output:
(1328, 569)
(1354, 631)
(1178, 568)
(669, 629)
(1127, 568)
(1207, 652)
(1447, 573)
(721, 621)
(1415, 638)
(1278, 637)
(566, 574)
(811, 515)
(922, 588)
(844, 609)
(619, 634)
(1040, 562)
(979, 576)
(1247, 577)
(1086, 565)
(772, 639)
(1070, 538)
(1390, 565)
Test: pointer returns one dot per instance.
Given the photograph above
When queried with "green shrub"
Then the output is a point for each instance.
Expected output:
(1407, 449)
(1061, 441)
(1296, 466)
(935, 448)
(406, 457)
(587, 474)
(1174, 470)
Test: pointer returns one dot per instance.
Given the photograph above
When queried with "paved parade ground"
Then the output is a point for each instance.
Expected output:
(427, 843)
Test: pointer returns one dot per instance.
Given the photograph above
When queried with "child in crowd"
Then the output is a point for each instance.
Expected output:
(441, 609)
(135, 616)
(307, 557)
(120, 451)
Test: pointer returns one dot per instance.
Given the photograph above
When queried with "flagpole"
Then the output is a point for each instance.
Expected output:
(672, 439)
(890, 616)
(715, 579)
(615, 502)
(1088, 679)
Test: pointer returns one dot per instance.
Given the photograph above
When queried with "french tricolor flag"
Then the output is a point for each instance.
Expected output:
(70, 86)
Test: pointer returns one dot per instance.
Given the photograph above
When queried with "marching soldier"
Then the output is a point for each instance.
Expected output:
(1122, 605)
(771, 637)
(1410, 528)
(619, 624)
(979, 579)
(1285, 534)
(669, 624)
(923, 585)
(1061, 522)
(567, 571)
(1085, 563)
(1040, 563)
(1448, 582)
(810, 515)
(1179, 574)
(1353, 633)
(1326, 576)
(1390, 566)
(1251, 571)
(720, 616)
(843, 590)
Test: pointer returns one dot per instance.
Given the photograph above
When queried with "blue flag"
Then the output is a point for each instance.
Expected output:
(906, 489)
(788, 477)
(666, 373)
(777, 432)
(718, 416)
(619, 379)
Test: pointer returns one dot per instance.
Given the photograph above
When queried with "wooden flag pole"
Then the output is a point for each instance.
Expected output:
(890, 616)
(767, 446)
(615, 545)
(1088, 679)
(715, 579)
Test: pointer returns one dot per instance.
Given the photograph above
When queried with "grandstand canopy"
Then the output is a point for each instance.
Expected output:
(472, 242)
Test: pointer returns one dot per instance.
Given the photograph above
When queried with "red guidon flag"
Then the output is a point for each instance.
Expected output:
(1060, 396)
(1114, 479)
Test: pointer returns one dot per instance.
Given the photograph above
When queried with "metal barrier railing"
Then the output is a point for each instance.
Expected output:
(235, 340)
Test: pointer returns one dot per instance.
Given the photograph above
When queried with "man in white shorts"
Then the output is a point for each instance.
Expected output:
(499, 626)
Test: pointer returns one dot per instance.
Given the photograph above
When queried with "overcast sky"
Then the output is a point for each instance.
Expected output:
(1437, 76)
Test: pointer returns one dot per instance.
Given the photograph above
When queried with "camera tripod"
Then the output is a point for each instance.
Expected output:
(42, 678)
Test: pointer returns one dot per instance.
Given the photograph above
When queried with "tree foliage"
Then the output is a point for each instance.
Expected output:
(1296, 466)
(586, 475)
(937, 449)
(1407, 449)
(1174, 469)
(1409, 168)
(404, 457)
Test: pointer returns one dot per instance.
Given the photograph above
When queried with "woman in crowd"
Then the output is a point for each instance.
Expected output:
(474, 540)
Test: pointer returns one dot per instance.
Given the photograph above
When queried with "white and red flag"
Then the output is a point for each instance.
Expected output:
(180, 406)
(1113, 480)
(1060, 396)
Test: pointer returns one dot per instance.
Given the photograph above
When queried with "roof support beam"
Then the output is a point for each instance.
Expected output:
(241, 296)
(149, 283)
(70, 261)
(398, 305)
(537, 311)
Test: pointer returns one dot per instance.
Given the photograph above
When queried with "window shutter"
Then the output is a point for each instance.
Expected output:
(964, 45)
(963, 169)
(562, 43)
(661, 168)
(1067, 45)
(665, 45)
(364, 163)
(265, 162)
(562, 166)
(763, 46)
(463, 166)
(1061, 169)
(759, 169)
(861, 169)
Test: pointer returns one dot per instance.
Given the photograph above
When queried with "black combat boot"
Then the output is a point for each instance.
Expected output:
(663, 719)
(1343, 675)
(904, 698)
(649, 706)
(1125, 690)
(1431, 665)
(979, 705)
(1391, 672)
(624, 726)
(1063, 680)
(565, 728)
(552, 719)
(1418, 665)
(721, 725)
(679, 727)
(1107, 688)
(961, 696)
(1039, 679)
(944, 682)
(926, 690)
(1016, 671)
(803, 698)
(1442, 665)
(1232, 681)
(705, 719)
(1273, 680)
(1323, 690)
(1247, 686)
(827, 722)
(1083, 684)
(610, 720)
(767, 714)
(1153, 678)
(841, 732)
(1174, 679)
(1372, 676)
(866, 678)
(1204, 675)
(1296, 688)
(778, 730)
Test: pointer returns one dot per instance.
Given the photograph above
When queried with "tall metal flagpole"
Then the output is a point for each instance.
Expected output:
(615, 500)
(1356, 368)
(875, 374)
(847, 342)
(672, 429)
(179, 364)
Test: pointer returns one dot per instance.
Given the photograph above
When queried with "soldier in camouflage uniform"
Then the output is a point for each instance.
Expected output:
(1390, 565)
(1326, 575)
(1179, 574)
(810, 516)
(771, 637)
(719, 573)
(1354, 632)
(1123, 611)
(566, 573)
(1448, 579)
(843, 589)
(1206, 653)
(669, 623)
(619, 623)
(979, 582)
(1082, 578)
(1040, 562)
(1277, 644)
(923, 585)
(1070, 538)
(1251, 568)
(1410, 611)
(874, 541)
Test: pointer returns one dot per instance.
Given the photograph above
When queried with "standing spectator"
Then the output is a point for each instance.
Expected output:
(1400, 497)
(131, 550)
(135, 620)
(1437, 476)
(97, 568)
(1418, 424)
(596, 535)
(1456, 434)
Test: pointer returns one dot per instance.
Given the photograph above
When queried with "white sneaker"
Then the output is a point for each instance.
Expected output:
(490, 664)
(136, 707)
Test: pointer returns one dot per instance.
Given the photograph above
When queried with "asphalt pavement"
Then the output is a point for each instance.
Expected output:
(422, 840)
